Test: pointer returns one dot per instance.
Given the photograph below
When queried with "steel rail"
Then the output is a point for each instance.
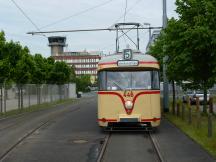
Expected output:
(155, 145)
(89, 30)
(4, 155)
(15, 117)
(21, 116)
(29, 133)
(103, 149)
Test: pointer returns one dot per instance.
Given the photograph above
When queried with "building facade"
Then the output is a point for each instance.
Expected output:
(83, 62)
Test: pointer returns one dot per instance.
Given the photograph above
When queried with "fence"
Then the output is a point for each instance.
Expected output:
(19, 97)
(179, 91)
(192, 114)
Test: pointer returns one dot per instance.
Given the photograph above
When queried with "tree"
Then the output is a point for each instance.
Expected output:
(160, 50)
(199, 38)
(190, 43)
(73, 74)
(60, 74)
(2, 44)
(157, 51)
(23, 70)
(4, 62)
(40, 74)
(4, 74)
(50, 65)
(83, 82)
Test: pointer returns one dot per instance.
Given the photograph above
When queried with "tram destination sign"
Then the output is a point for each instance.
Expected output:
(128, 63)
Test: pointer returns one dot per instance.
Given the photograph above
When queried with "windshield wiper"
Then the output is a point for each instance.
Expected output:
(120, 87)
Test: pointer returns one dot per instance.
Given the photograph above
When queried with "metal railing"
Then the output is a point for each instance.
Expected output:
(18, 97)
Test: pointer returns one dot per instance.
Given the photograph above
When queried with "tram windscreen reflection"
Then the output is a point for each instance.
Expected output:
(121, 80)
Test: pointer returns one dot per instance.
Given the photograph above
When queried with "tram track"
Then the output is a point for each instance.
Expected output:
(103, 149)
(32, 131)
(11, 124)
(4, 155)
(14, 120)
(154, 144)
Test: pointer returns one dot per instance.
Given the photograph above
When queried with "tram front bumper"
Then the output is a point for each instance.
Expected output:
(131, 118)
(135, 118)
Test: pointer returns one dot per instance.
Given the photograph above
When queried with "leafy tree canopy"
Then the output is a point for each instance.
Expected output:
(23, 69)
(83, 82)
(40, 71)
(60, 73)
(190, 44)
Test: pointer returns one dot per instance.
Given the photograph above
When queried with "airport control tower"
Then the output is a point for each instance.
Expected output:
(57, 44)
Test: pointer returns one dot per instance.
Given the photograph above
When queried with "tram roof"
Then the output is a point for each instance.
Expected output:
(136, 56)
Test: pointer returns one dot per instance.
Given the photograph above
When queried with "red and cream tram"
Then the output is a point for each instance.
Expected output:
(129, 91)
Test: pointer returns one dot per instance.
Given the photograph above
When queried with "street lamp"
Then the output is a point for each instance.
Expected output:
(148, 24)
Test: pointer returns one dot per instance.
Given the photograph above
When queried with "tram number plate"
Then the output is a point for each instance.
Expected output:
(128, 120)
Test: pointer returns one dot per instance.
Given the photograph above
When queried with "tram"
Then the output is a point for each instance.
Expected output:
(128, 91)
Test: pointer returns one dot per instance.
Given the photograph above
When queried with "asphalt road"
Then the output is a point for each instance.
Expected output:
(70, 133)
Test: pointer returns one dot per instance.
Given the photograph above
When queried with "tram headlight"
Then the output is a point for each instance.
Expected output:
(128, 105)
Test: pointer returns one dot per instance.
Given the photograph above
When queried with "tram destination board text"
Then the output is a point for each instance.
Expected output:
(128, 63)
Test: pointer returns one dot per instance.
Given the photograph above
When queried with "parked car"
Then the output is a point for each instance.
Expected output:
(187, 94)
(193, 95)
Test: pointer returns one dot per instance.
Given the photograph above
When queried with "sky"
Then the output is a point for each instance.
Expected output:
(78, 14)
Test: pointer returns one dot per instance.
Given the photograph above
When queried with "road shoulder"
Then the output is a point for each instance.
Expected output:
(178, 147)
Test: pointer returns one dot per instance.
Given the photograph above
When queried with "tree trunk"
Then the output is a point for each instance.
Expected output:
(38, 94)
(174, 98)
(59, 89)
(50, 92)
(1, 101)
(21, 90)
(205, 100)
(68, 91)
(18, 87)
(39, 90)
(5, 98)
(211, 104)
(29, 96)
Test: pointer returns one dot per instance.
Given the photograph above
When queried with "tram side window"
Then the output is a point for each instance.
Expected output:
(102, 80)
(155, 80)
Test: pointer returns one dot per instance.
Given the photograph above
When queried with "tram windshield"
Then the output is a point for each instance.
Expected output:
(122, 80)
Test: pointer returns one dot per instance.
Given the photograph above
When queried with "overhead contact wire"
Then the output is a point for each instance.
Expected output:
(76, 14)
(127, 11)
(26, 16)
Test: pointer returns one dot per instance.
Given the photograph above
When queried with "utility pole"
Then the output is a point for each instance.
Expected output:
(149, 30)
(165, 80)
(164, 14)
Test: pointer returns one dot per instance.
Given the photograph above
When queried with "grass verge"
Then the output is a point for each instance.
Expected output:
(34, 108)
(198, 132)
